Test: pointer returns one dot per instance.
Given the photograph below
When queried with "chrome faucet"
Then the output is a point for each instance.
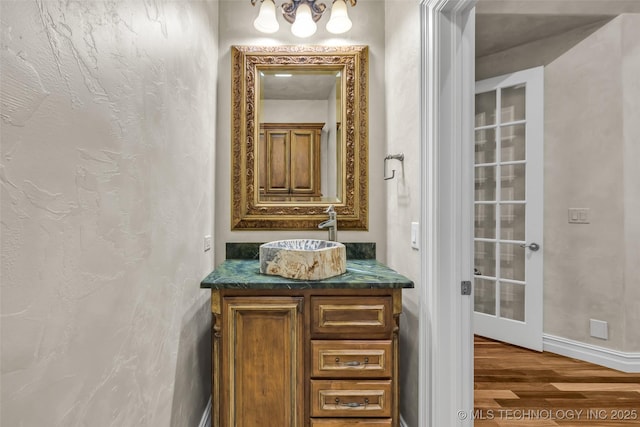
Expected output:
(331, 224)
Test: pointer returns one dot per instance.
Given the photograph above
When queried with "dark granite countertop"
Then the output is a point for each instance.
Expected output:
(361, 274)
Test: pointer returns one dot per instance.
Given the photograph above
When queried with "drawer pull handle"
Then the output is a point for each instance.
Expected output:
(352, 362)
(352, 404)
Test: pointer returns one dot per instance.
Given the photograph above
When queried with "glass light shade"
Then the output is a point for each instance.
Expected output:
(266, 21)
(303, 26)
(339, 22)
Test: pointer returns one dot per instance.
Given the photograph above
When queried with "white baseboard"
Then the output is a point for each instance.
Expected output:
(402, 422)
(205, 421)
(614, 359)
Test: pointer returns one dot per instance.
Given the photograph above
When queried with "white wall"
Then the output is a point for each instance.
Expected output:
(402, 89)
(236, 18)
(330, 157)
(294, 111)
(108, 125)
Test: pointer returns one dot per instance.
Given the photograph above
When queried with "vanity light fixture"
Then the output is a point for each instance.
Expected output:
(339, 21)
(303, 25)
(303, 15)
(266, 21)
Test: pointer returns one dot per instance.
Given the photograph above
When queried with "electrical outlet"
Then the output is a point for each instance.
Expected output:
(599, 329)
(207, 243)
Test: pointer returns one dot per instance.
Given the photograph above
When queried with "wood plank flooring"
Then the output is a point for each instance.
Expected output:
(519, 387)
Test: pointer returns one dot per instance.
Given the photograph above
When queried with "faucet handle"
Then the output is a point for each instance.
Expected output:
(330, 209)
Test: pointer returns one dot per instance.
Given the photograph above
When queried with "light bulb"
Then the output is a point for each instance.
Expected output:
(266, 21)
(303, 26)
(339, 21)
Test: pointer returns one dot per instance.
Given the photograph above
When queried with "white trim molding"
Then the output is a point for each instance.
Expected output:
(446, 110)
(614, 359)
(205, 421)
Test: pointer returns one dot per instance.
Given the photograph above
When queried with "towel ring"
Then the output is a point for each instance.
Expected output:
(393, 171)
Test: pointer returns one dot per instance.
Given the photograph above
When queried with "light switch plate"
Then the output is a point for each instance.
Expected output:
(207, 243)
(415, 235)
(579, 215)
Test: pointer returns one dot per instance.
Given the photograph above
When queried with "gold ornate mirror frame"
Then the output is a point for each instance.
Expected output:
(247, 210)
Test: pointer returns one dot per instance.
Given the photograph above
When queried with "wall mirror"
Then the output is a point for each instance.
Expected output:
(299, 136)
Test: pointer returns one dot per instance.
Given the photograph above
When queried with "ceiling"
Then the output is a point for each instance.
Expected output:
(494, 33)
(307, 86)
(499, 32)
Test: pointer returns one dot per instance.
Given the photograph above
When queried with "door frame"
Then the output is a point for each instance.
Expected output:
(446, 108)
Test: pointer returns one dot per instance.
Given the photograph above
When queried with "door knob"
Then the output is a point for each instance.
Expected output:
(533, 246)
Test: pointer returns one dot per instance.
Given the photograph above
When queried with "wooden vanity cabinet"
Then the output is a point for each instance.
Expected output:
(305, 358)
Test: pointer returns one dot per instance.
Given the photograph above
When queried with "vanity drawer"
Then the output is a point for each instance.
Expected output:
(350, 398)
(351, 359)
(352, 317)
(350, 422)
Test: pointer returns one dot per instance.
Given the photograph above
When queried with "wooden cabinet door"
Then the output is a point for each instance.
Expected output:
(262, 362)
(262, 164)
(305, 161)
(278, 157)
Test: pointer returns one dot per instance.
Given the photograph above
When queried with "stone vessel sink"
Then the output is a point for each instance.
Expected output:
(304, 259)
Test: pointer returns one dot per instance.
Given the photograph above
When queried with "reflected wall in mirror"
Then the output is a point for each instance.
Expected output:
(299, 136)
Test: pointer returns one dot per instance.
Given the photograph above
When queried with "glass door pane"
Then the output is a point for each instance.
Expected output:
(485, 108)
(513, 103)
(485, 296)
(512, 301)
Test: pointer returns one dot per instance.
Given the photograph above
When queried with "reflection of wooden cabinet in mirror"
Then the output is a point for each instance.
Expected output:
(289, 159)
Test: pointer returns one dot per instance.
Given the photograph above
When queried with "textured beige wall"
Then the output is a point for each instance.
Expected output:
(631, 134)
(236, 28)
(403, 201)
(591, 156)
(108, 125)
(584, 264)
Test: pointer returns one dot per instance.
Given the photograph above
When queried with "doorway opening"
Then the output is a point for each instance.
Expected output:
(508, 208)
(585, 85)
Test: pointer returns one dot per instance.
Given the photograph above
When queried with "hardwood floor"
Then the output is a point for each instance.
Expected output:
(519, 387)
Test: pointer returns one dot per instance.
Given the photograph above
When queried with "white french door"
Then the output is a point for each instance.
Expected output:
(508, 208)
